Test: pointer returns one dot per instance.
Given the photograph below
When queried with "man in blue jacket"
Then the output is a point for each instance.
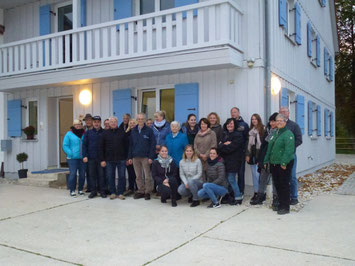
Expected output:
(91, 157)
(243, 128)
(142, 153)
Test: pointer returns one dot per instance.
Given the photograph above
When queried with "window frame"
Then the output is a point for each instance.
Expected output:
(157, 90)
(56, 7)
(28, 100)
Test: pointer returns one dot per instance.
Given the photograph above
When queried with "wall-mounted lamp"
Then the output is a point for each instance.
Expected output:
(275, 85)
(85, 97)
(251, 62)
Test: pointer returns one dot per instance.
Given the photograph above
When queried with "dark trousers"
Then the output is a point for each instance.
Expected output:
(111, 172)
(131, 178)
(168, 192)
(282, 179)
(241, 176)
(87, 177)
(96, 176)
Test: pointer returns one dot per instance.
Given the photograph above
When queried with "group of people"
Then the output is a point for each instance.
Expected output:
(200, 160)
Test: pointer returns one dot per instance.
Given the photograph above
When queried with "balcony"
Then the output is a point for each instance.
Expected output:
(194, 27)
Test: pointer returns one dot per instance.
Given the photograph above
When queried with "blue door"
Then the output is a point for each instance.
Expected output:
(122, 103)
(186, 101)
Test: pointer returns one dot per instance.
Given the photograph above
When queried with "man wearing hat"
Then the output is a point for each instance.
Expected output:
(88, 125)
(88, 119)
(90, 156)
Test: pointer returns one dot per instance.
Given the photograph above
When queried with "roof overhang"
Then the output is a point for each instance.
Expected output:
(333, 19)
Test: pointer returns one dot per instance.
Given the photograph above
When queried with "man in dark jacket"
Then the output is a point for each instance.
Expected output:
(142, 153)
(90, 156)
(243, 128)
(112, 154)
(296, 130)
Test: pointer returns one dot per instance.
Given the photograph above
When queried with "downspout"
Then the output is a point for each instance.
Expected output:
(267, 61)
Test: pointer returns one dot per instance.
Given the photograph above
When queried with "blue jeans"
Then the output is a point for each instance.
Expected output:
(111, 172)
(256, 175)
(194, 186)
(241, 177)
(233, 182)
(294, 183)
(76, 165)
(211, 190)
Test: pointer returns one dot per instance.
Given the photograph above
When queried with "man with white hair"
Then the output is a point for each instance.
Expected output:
(142, 153)
(296, 130)
(112, 155)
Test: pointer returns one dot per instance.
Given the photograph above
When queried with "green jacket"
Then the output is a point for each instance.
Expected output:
(281, 147)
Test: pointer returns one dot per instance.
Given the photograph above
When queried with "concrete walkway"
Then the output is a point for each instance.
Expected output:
(44, 226)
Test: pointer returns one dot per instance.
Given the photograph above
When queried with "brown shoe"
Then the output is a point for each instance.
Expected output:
(121, 197)
(147, 196)
(112, 196)
(138, 195)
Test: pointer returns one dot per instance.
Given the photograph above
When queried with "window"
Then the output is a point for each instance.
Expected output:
(153, 100)
(323, 3)
(328, 123)
(65, 17)
(146, 6)
(32, 107)
(312, 118)
(167, 4)
(290, 7)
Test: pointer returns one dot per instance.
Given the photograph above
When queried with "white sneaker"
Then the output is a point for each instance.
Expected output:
(81, 193)
(73, 194)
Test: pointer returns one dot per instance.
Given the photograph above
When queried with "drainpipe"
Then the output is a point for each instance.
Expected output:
(267, 61)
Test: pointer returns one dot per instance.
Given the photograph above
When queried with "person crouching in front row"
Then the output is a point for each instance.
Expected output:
(191, 176)
(165, 173)
(216, 183)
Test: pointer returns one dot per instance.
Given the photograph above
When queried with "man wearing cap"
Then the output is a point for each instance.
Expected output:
(90, 156)
(88, 125)
(88, 119)
(112, 155)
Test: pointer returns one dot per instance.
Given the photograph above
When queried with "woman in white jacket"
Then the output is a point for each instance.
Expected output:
(191, 176)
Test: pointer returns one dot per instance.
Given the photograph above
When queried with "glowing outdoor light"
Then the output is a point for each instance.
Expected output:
(85, 97)
(275, 85)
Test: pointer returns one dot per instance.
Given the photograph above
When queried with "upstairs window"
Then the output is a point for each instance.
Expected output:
(323, 3)
(146, 6)
(290, 19)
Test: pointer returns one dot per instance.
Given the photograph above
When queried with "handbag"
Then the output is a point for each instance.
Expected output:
(252, 157)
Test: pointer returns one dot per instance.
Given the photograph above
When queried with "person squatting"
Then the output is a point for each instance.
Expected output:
(201, 160)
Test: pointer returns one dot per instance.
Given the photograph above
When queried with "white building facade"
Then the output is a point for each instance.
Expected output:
(182, 56)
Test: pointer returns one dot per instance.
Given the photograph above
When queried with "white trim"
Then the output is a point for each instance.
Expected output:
(67, 3)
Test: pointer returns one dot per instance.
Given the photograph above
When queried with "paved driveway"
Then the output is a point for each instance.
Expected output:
(43, 226)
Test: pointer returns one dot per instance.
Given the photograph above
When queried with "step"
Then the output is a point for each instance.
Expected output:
(54, 180)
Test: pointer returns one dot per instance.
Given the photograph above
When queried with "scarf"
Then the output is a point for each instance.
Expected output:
(254, 134)
(165, 163)
(202, 134)
(160, 124)
(78, 132)
(212, 162)
(271, 131)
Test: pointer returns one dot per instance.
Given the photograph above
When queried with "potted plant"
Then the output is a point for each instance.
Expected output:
(30, 132)
(21, 158)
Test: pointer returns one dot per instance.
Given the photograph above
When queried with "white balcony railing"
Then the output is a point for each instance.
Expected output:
(201, 25)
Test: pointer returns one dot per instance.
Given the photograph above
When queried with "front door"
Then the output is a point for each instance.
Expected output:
(65, 122)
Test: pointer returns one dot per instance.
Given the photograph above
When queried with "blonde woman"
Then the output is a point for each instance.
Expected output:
(191, 176)
(216, 127)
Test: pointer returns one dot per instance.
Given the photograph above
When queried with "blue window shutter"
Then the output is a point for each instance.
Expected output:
(298, 24)
(283, 13)
(300, 112)
(122, 9)
(310, 118)
(331, 72)
(318, 51)
(284, 98)
(122, 103)
(332, 124)
(319, 120)
(326, 122)
(186, 100)
(45, 20)
(14, 118)
(309, 39)
(83, 13)
(326, 56)
(179, 3)
(324, 3)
